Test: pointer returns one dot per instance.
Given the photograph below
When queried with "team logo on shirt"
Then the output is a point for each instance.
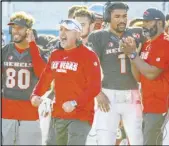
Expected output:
(158, 59)
(136, 35)
(64, 66)
(10, 57)
(110, 44)
(146, 13)
(95, 63)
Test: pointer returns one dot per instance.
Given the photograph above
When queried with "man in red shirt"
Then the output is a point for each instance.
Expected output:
(166, 122)
(152, 70)
(77, 81)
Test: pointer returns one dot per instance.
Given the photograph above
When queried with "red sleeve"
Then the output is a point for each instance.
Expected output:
(44, 82)
(37, 61)
(93, 75)
(160, 59)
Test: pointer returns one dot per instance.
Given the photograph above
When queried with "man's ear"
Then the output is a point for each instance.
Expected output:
(160, 23)
(92, 26)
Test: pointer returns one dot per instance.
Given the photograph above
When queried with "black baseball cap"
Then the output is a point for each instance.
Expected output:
(20, 22)
(153, 14)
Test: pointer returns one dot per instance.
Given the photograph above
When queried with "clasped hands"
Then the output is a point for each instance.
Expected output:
(128, 45)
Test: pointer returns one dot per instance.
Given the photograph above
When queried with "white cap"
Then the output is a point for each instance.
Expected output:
(71, 24)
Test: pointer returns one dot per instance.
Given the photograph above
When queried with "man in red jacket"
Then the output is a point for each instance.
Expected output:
(77, 81)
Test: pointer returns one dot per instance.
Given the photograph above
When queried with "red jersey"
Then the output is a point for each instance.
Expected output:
(77, 76)
(20, 71)
(155, 92)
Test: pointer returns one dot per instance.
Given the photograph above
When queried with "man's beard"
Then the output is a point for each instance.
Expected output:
(118, 30)
(149, 33)
(19, 41)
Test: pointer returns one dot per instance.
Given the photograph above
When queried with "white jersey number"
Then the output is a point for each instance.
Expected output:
(122, 58)
(21, 78)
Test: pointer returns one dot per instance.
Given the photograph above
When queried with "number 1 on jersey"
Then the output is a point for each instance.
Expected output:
(122, 58)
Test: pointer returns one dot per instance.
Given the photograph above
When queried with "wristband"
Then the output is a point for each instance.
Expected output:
(73, 103)
(133, 55)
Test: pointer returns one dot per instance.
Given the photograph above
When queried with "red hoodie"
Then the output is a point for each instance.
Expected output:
(77, 76)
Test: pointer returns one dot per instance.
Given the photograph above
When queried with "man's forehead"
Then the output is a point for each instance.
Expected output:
(149, 21)
(82, 18)
(62, 27)
(119, 12)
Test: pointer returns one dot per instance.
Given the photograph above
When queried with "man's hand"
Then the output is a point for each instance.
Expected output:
(103, 102)
(36, 100)
(46, 106)
(30, 36)
(128, 45)
(166, 37)
(139, 48)
(68, 107)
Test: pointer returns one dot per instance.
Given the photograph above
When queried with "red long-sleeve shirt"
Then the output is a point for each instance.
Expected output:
(156, 92)
(77, 76)
(38, 63)
(22, 109)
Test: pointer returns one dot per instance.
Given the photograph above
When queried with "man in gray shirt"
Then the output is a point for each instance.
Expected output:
(119, 98)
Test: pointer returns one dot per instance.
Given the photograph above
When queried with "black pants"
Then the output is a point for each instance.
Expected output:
(152, 133)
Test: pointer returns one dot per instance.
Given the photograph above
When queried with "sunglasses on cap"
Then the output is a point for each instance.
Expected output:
(71, 25)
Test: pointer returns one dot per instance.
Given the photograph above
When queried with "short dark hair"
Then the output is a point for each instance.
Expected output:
(118, 5)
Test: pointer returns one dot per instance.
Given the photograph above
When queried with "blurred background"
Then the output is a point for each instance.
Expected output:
(48, 14)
